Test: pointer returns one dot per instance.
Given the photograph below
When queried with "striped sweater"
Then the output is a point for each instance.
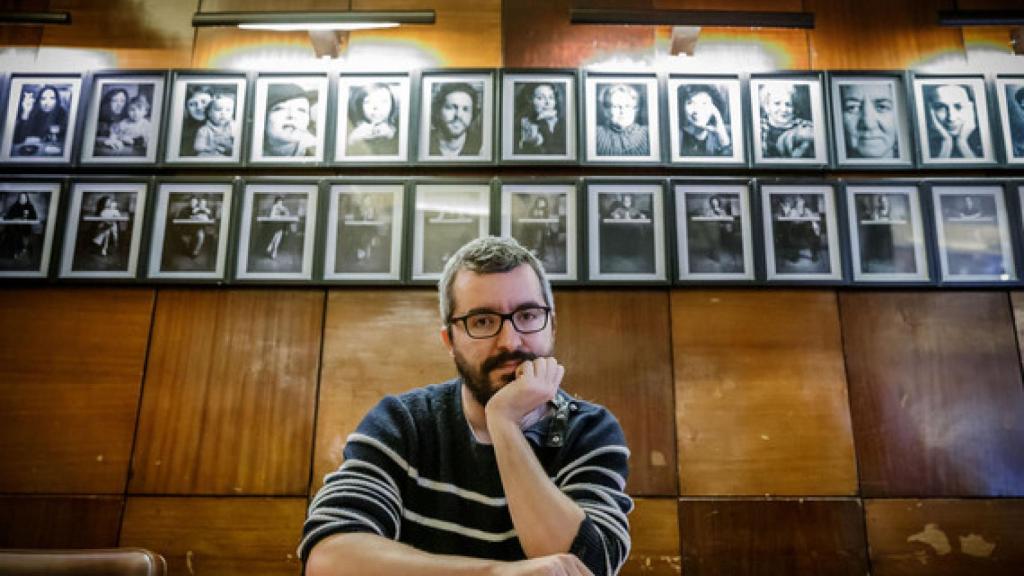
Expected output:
(413, 472)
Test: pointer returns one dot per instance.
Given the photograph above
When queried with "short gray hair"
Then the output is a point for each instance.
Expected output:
(488, 255)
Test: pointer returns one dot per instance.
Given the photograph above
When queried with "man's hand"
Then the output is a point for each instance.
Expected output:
(554, 565)
(536, 383)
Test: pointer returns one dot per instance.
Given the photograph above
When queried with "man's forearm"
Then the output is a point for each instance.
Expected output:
(361, 554)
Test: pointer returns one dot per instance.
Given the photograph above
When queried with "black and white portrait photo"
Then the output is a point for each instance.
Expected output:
(364, 236)
(190, 231)
(887, 236)
(207, 114)
(41, 116)
(542, 217)
(622, 119)
(457, 118)
(538, 117)
(713, 224)
(373, 119)
(447, 216)
(801, 239)
(952, 121)
(123, 122)
(626, 233)
(288, 120)
(871, 121)
(278, 228)
(28, 213)
(104, 230)
(706, 119)
(973, 233)
(1010, 92)
(788, 121)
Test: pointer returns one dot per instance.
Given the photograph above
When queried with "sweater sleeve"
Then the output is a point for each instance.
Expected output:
(595, 478)
(364, 494)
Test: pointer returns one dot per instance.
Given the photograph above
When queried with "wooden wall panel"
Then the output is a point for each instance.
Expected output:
(376, 342)
(230, 392)
(761, 401)
(615, 347)
(71, 363)
(59, 521)
(935, 389)
(853, 34)
(654, 529)
(945, 537)
(772, 537)
(222, 536)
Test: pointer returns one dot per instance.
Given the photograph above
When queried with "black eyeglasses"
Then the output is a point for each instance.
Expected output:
(488, 324)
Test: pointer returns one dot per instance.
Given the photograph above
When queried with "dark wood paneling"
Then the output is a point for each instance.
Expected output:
(615, 347)
(945, 537)
(230, 392)
(376, 342)
(761, 401)
(222, 536)
(654, 529)
(935, 390)
(71, 363)
(772, 537)
(59, 521)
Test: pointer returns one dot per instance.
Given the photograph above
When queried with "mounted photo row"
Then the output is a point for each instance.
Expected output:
(786, 120)
(626, 230)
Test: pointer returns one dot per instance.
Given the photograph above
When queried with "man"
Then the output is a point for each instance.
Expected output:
(621, 135)
(953, 123)
(869, 121)
(454, 121)
(495, 472)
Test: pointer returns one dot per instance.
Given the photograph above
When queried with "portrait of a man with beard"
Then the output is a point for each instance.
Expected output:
(455, 127)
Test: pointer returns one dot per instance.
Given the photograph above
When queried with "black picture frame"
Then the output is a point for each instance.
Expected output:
(529, 134)
(445, 213)
(276, 233)
(609, 141)
(626, 231)
(887, 224)
(715, 230)
(543, 216)
(982, 233)
(793, 215)
(104, 227)
(299, 98)
(950, 93)
(47, 137)
(115, 131)
(788, 124)
(364, 230)
(387, 138)
(28, 233)
(695, 103)
(191, 224)
(875, 136)
(461, 88)
(1010, 102)
(186, 98)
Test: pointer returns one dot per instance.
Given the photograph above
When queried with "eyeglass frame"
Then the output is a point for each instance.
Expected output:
(501, 324)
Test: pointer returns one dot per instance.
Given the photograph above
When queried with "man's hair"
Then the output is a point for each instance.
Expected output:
(488, 255)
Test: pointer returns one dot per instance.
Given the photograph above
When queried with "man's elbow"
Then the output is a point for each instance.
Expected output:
(327, 558)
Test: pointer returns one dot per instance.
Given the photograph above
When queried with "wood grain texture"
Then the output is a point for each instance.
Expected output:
(71, 363)
(59, 521)
(654, 529)
(230, 391)
(616, 350)
(809, 537)
(376, 342)
(945, 537)
(761, 401)
(935, 389)
(222, 536)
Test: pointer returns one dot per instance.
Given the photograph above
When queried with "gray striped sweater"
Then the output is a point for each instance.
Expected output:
(413, 472)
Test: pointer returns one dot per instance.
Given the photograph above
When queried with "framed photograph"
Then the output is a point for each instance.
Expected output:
(364, 231)
(122, 125)
(870, 122)
(887, 240)
(373, 118)
(103, 232)
(973, 233)
(42, 112)
(788, 120)
(278, 232)
(1010, 95)
(28, 218)
(706, 120)
(191, 225)
(622, 118)
(953, 126)
(447, 216)
(626, 232)
(456, 117)
(538, 116)
(289, 119)
(801, 238)
(542, 217)
(714, 233)
(206, 117)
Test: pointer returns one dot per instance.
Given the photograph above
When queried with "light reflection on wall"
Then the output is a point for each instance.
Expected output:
(362, 54)
(55, 60)
(716, 52)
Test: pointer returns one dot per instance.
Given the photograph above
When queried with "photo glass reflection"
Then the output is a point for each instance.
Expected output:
(973, 233)
(26, 227)
(888, 237)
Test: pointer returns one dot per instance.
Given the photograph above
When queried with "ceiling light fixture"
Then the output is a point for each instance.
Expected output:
(35, 18)
(290, 21)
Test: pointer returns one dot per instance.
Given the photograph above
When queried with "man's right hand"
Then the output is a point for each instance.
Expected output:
(554, 565)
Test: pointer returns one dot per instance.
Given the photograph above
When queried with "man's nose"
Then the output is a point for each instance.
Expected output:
(508, 337)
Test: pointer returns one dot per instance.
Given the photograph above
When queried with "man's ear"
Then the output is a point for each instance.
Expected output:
(446, 338)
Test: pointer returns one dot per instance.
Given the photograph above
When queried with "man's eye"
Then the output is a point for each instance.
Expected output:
(527, 315)
(851, 107)
(483, 321)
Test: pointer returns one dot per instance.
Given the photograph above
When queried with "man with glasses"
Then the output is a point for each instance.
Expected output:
(496, 472)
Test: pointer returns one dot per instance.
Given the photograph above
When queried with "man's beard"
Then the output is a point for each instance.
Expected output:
(478, 380)
(454, 129)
